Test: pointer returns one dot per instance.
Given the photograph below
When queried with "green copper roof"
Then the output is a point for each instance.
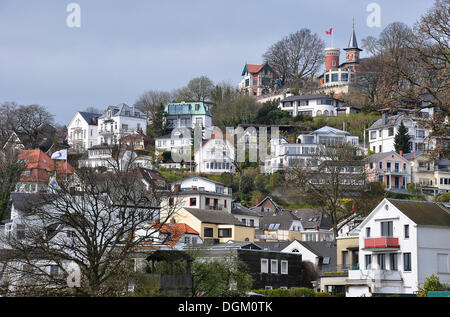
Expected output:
(188, 108)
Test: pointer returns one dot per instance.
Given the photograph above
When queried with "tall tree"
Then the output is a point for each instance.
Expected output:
(297, 56)
(198, 89)
(149, 102)
(331, 174)
(402, 140)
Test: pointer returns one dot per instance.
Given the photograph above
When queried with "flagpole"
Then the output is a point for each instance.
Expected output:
(332, 27)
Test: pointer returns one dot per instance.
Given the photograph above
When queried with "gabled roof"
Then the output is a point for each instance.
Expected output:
(238, 209)
(278, 207)
(423, 213)
(273, 245)
(379, 156)
(39, 163)
(251, 68)
(328, 130)
(89, 117)
(312, 218)
(25, 202)
(151, 176)
(280, 220)
(176, 231)
(214, 217)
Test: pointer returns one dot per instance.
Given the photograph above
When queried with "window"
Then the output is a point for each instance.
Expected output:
(393, 260)
(443, 263)
(334, 77)
(274, 266)
(386, 229)
(373, 135)
(344, 77)
(368, 261)
(171, 201)
(193, 201)
(368, 232)
(407, 262)
(252, 223)
(225, 233)
(406, 230)
(326, 260)
(344, 258)
(208, 232)
(381, 261)
(54, 270)
(20, 231)
(264, 266)
(267, 288)
(284, 267)
(391, 131)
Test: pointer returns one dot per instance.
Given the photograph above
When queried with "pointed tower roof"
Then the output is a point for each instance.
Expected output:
(353, 43)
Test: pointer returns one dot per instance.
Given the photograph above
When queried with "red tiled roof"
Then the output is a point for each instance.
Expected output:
(254, 68)
(41, 166)
(176, 230)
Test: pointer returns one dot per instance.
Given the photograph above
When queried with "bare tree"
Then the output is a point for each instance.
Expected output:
(150, 101)
(297, 56)
(330, 174)
(31, 123)
(94, 228)
(198, 89)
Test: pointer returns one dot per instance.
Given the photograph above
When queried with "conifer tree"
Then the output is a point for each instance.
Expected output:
(402, 140)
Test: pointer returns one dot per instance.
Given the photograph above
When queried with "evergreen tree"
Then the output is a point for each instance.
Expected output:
(402, 140)
(157, 127)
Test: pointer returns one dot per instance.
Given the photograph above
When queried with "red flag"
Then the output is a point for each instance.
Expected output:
(329, 31)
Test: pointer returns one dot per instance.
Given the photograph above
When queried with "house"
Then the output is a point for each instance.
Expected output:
(214, 226)
(202, 193)
(83, 131)
(286, 155)
(119, 121)
(173, 142)
(111, 157)
(137, 141)
(14, 143)
(383, 131)
(322, 255)
(337, 78)
(40, 170)
(430, 176)
(215, 156)
(188, 115)
(153, 180)
(258, 80)
(316, 225)
(389, 168)
(269, 269)
(267, 205)
(279, 226)
(311, 105)
(401, 243)
(171, 236)
(245, 215)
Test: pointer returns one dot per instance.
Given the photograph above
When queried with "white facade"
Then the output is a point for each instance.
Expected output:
(396, 254)
(119, 121)
(215, 156)
(285, 155)
(82, 131)
(383, 132)
(311, 105)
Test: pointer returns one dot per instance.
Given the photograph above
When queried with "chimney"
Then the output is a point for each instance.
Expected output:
(401, 152)
(316, 228)
(176, 188)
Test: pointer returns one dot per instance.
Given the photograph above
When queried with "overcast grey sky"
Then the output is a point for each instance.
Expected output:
(126, 47)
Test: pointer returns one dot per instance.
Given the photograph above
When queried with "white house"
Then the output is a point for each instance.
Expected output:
(119, 121)
(383, 131)
(188, 115)
(285, 155)
(215, 156)
(82, 131)
(313, 105)
(401, 243)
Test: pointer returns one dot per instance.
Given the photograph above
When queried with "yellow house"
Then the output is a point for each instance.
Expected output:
(219, 226)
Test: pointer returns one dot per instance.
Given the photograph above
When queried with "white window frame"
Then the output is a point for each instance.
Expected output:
(266, 270)
(286, 270)
(274, 268)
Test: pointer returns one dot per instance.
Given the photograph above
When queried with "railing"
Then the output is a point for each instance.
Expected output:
(384, 242)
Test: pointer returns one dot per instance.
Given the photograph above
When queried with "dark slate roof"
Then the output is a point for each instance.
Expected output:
(273, 246)
(444, 162)
(283, 218)
(216, 217)
(312, 218)
(423, 213)
(238, 209)
(353, 43)
(323, 249)
(278, 207)
(89, 116)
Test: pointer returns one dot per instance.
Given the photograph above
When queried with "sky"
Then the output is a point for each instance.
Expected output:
(126, 47)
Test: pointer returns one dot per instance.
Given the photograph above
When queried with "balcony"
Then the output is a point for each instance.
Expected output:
(381, 243)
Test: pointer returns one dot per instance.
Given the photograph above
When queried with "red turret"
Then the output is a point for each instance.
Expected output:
(331, 58)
